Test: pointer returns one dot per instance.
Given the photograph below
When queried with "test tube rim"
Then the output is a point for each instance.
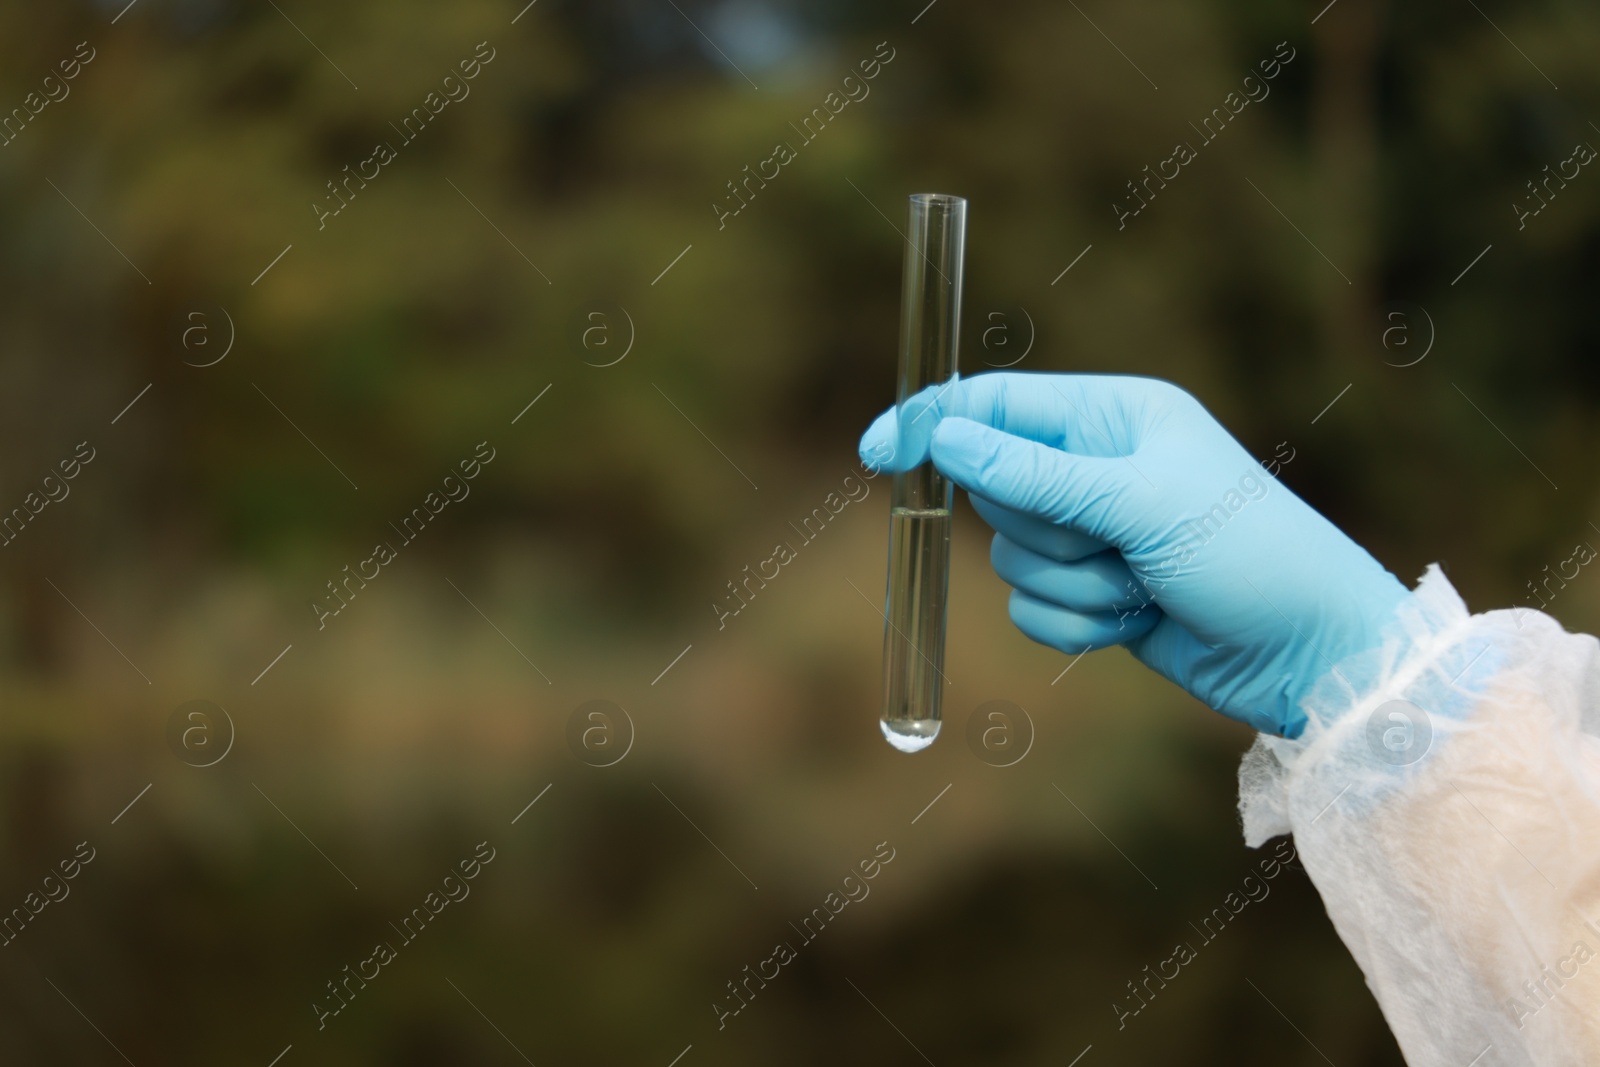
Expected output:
(947, 200)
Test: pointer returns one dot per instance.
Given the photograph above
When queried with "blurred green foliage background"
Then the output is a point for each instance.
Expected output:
(415, 325)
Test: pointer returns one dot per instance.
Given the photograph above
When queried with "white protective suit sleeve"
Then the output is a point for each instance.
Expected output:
(1445, 800)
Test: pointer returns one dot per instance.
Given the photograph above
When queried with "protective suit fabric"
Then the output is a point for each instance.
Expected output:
(1445, 800)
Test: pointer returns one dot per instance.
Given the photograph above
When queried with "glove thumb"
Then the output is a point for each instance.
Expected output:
(1090, 494)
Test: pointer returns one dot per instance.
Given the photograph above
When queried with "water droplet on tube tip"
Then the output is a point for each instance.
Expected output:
(909, 735)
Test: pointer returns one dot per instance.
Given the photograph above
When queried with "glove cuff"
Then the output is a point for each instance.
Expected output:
(1420, 682)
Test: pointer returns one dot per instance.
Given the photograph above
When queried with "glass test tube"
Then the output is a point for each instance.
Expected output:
(919, 517)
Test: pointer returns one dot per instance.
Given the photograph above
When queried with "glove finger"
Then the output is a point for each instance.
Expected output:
(1092, 495)
(1094, 585)
(1090, 415)
(1046, 538)
(878, 445)
(898, 439)
(1073, 632)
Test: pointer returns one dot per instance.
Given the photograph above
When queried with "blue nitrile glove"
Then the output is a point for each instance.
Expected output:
(1125, 514)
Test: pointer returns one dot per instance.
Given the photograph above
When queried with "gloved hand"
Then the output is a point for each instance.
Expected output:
(1125, 514)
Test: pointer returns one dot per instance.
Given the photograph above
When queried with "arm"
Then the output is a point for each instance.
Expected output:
(1440, 771)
